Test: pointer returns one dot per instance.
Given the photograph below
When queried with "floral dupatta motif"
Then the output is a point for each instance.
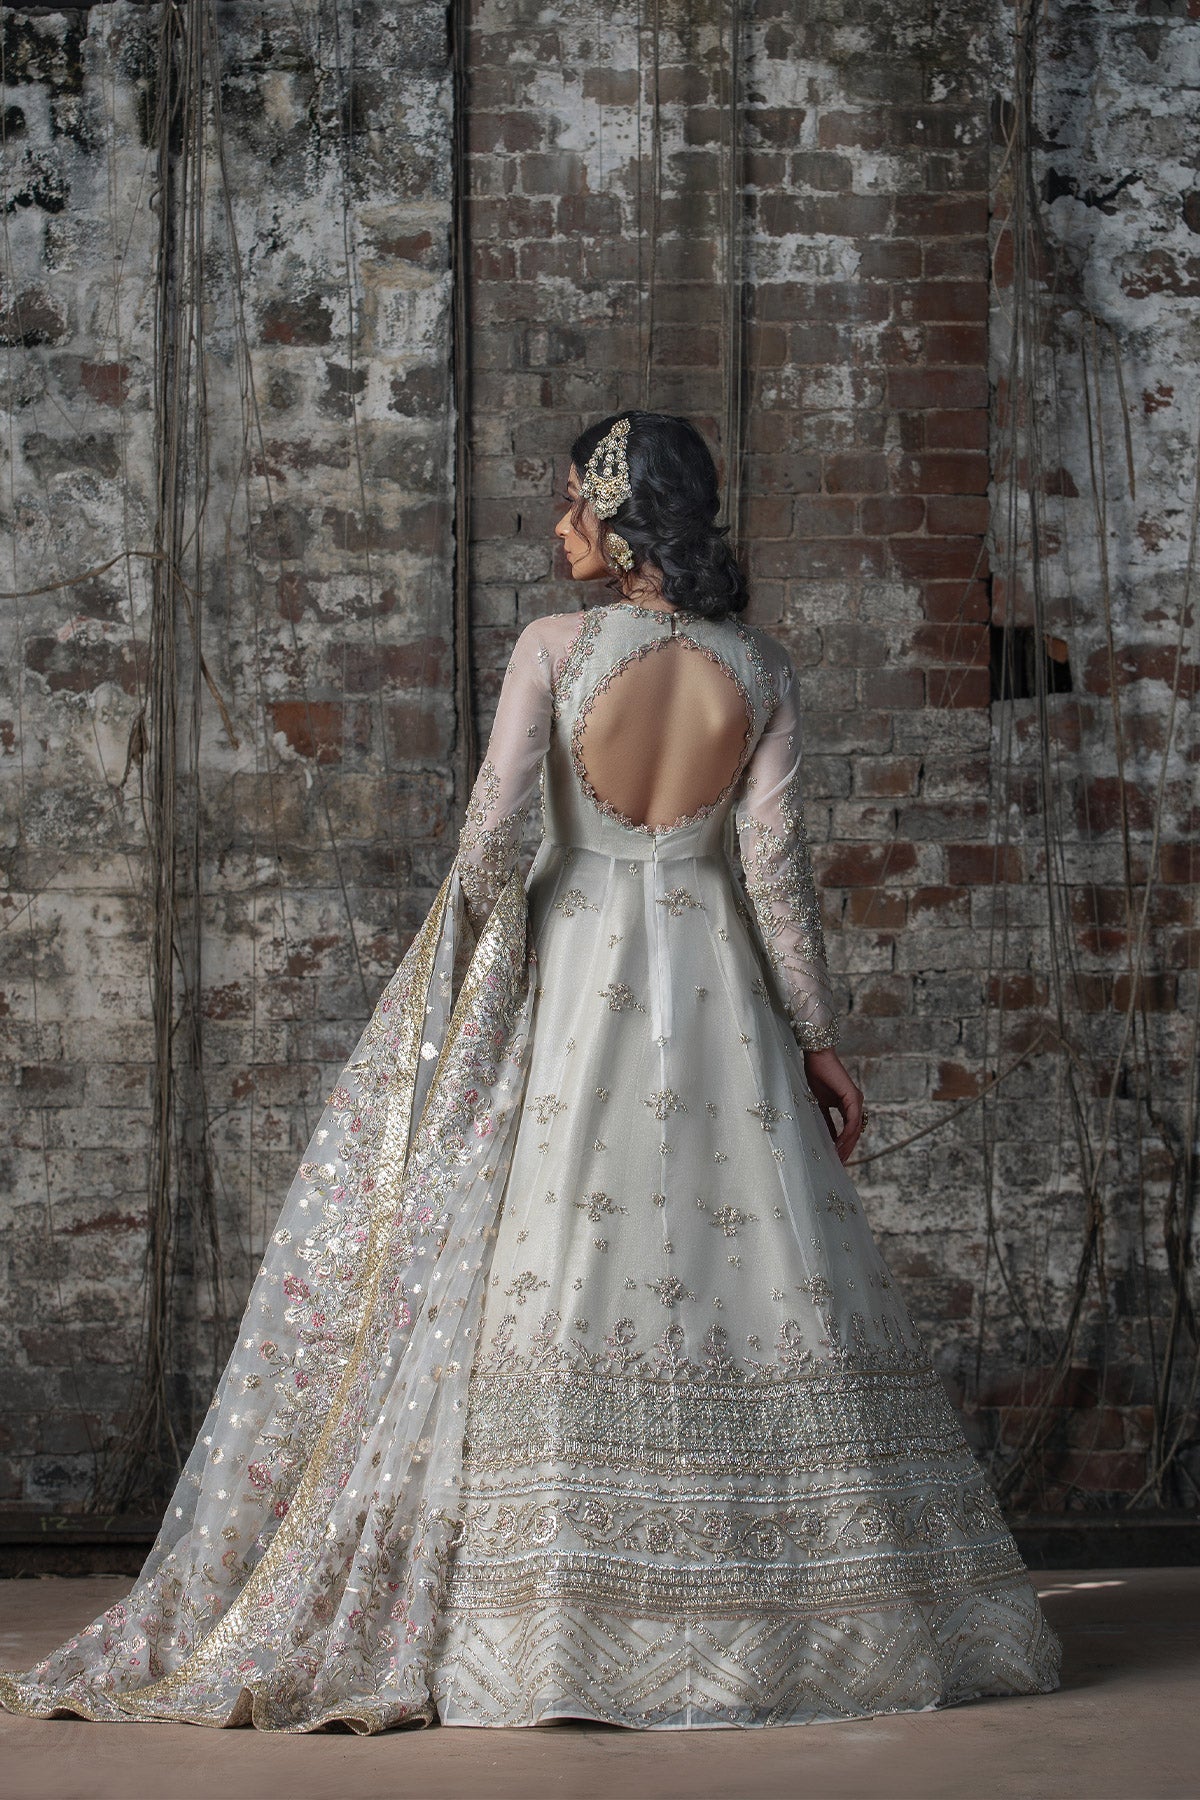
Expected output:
(297, 1575)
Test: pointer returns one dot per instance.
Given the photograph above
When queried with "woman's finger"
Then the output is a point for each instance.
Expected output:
(850, 1104)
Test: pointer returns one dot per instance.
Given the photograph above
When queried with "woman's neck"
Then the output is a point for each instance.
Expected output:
(645, 590)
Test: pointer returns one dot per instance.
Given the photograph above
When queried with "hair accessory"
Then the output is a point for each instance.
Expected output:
(618, 550)
(605, 481)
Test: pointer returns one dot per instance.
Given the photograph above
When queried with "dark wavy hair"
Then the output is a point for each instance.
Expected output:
(669, 519)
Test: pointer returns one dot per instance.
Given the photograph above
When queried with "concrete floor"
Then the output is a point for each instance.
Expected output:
(1124, 1726)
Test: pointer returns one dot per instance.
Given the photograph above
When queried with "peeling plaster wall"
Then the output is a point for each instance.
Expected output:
(1116, 171)
(325, 569)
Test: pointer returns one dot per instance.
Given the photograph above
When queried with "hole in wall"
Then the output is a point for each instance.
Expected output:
(1013, 658)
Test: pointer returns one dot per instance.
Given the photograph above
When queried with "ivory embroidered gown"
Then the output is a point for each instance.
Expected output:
(573, 1381)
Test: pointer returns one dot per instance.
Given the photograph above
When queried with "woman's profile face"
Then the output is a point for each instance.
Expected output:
(582, 552)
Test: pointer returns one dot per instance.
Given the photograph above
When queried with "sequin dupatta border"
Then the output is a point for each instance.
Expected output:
(354, 1352)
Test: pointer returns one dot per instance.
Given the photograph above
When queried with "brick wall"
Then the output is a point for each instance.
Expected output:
(875, 349)
(866, 459)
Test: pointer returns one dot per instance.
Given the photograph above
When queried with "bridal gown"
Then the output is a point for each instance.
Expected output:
(573, 1382)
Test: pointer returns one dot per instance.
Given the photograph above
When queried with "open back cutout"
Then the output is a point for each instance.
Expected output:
(664, 735)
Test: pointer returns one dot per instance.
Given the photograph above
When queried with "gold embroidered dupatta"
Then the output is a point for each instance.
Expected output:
(297, 1573)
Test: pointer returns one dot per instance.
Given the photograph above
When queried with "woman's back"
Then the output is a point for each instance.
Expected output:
(666, 729)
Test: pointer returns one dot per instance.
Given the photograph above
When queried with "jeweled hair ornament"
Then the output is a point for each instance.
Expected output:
(605, 484)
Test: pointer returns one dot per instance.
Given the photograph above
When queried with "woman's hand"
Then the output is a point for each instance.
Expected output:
(831, 1083)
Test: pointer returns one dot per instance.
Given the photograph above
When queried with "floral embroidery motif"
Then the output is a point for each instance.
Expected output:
(582, 646)
(487, 845)
(670, 1290)
(573, 901)
(621, 997)
(665, 1102)
(599, 1205)
(526, 1283)
(778, 881)
(546, 1106)
(679, 900)
(767, 1115)
(730, 1219)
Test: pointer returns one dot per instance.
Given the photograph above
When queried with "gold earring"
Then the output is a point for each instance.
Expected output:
(618, 551)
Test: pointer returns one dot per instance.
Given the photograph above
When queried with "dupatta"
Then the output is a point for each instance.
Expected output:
(297, 1575)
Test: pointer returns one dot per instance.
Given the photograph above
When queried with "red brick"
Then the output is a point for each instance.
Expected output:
(490, 132)
(979, 865)
(942, 215)
(1179, 863)
(954, 1082)
(814, 343)
(817, 515)
(949, 602)
(845, 302)
(886, 777)
(958, 687)
(956, 344)
(879, 909)
(931, 300)
(863, 865)
(901, 346)
(957, 514)
(936, 389)
(822, 171)
(1139, 662)
(940, 558)
(956, 430)
(556, 260)
(890, 259)
(1155, 992)
(1098, 805)
(79, 668)
(367, 668)
(775, 124)
(312, 728)
(767, 345)
(884, 517)
(943, 472)
(835, 558)
(952, 905)
(783, 474)
(879, 996)
(611, 87)
(307, 321)
(1101, 1471)
(1015, 991)
(417, 732)
(1097, 1428)
(856, 472)
(956, 644)
(105, 382)
(893, 690)
(767, 516)
(493, 262)
(866, 130)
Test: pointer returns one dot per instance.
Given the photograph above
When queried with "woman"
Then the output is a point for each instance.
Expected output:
(573, 1383)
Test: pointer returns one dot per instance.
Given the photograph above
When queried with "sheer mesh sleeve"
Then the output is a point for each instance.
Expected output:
(507, 782)
(777, 866)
